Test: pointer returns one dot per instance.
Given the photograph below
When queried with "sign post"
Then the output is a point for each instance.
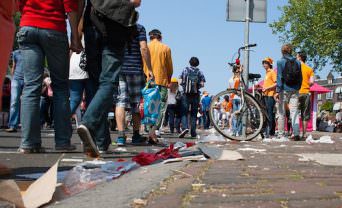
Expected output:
(246, 11)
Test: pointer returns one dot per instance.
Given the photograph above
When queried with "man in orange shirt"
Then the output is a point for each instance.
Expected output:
(269, 87)
(304, 92)
(161, 61)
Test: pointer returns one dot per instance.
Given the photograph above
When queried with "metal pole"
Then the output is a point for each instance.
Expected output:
(246, 61)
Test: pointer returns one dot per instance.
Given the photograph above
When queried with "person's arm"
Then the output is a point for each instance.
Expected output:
(71, 8)
(145, 53)
(169, 65)
(312, 78)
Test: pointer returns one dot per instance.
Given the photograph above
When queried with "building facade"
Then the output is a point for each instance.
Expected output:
(335, 95)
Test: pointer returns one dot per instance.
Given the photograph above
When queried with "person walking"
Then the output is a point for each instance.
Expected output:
(162, 66)
(111, 19)
(269, 90)
(205, 105)
(304, 92)
(289, 81)
(131, 82)
(43, 34)
(192, 80)
(173, 105)
(17, 86)
(235, 100)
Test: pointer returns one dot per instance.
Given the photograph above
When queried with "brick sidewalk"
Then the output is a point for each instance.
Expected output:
(270, 177)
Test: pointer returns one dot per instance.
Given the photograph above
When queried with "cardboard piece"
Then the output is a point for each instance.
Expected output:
(38, 193)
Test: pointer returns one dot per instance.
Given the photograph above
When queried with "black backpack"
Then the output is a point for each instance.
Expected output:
(192, 81)
(292, 73)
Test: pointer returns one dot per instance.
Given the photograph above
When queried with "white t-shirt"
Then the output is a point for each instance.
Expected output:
(171, 99)
(76, 73)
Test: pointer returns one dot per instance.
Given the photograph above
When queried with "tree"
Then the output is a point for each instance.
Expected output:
(327, 106)
(313, 26)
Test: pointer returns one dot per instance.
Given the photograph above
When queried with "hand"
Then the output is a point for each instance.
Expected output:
(150, 75)
(276, 97)
(76, 45)
(136, 3)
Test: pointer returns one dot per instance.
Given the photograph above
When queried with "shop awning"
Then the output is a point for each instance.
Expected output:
(338, 90)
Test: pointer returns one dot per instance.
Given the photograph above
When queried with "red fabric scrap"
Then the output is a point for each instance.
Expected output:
(144, 158)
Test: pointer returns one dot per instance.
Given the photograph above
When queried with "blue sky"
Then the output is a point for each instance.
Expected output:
(198, 28)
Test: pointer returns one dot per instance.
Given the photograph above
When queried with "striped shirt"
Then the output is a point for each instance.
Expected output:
(132, 63)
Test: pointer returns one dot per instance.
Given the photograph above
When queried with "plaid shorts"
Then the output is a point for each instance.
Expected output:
(129, 91)
(305, 106)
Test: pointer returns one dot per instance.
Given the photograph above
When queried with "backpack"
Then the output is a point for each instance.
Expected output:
(292, 73)
(192, 81)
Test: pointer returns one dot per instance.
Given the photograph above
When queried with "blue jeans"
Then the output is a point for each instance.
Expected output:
(36, 44)
(93, 49)
(237, 120)
(77, 87)
(17, 86)
(190, 103)
(95, 118)
(206, 119)
(270, 103)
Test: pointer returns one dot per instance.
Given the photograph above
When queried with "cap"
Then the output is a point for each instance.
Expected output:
(268, 60)
(174, 79)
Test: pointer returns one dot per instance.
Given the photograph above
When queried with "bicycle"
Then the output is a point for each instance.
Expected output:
(247, 118)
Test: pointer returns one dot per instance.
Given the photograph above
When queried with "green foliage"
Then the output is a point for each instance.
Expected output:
(327, 106)
(313, 26)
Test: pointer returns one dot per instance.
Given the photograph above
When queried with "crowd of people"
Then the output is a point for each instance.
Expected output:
(108, 61)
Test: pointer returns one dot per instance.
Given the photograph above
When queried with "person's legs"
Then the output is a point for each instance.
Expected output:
(163, 106)
(304, 108)
(16, 90)
(33, 57)
(56, 48)
(103, 99)
(194, 102)
(270, 102)
(121, 103)
(281, 114)
(171, 111)
(294, 112)
(76, 93)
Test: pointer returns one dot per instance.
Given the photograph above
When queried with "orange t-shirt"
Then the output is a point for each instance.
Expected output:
(226, 106)
(307, 74)
(270, 80)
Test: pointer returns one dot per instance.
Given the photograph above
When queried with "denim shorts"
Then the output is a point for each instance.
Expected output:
(129, 91)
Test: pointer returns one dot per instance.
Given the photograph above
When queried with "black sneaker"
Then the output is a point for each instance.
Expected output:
(88, 144)
(183, 133)
(296, 138)
(138, 139)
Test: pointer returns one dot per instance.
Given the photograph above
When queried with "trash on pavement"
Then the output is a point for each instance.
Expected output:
(72, 160)
(219, 154)
(140, 202)
(120, 149)
(322, 140)
(322, 158)
(212, 138)
(144, 158)
(37, 194)
(252, 150)
(181, 159)
(89, 174)
(282, 139)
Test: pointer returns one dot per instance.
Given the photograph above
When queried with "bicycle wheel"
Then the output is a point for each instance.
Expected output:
(227, 115)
